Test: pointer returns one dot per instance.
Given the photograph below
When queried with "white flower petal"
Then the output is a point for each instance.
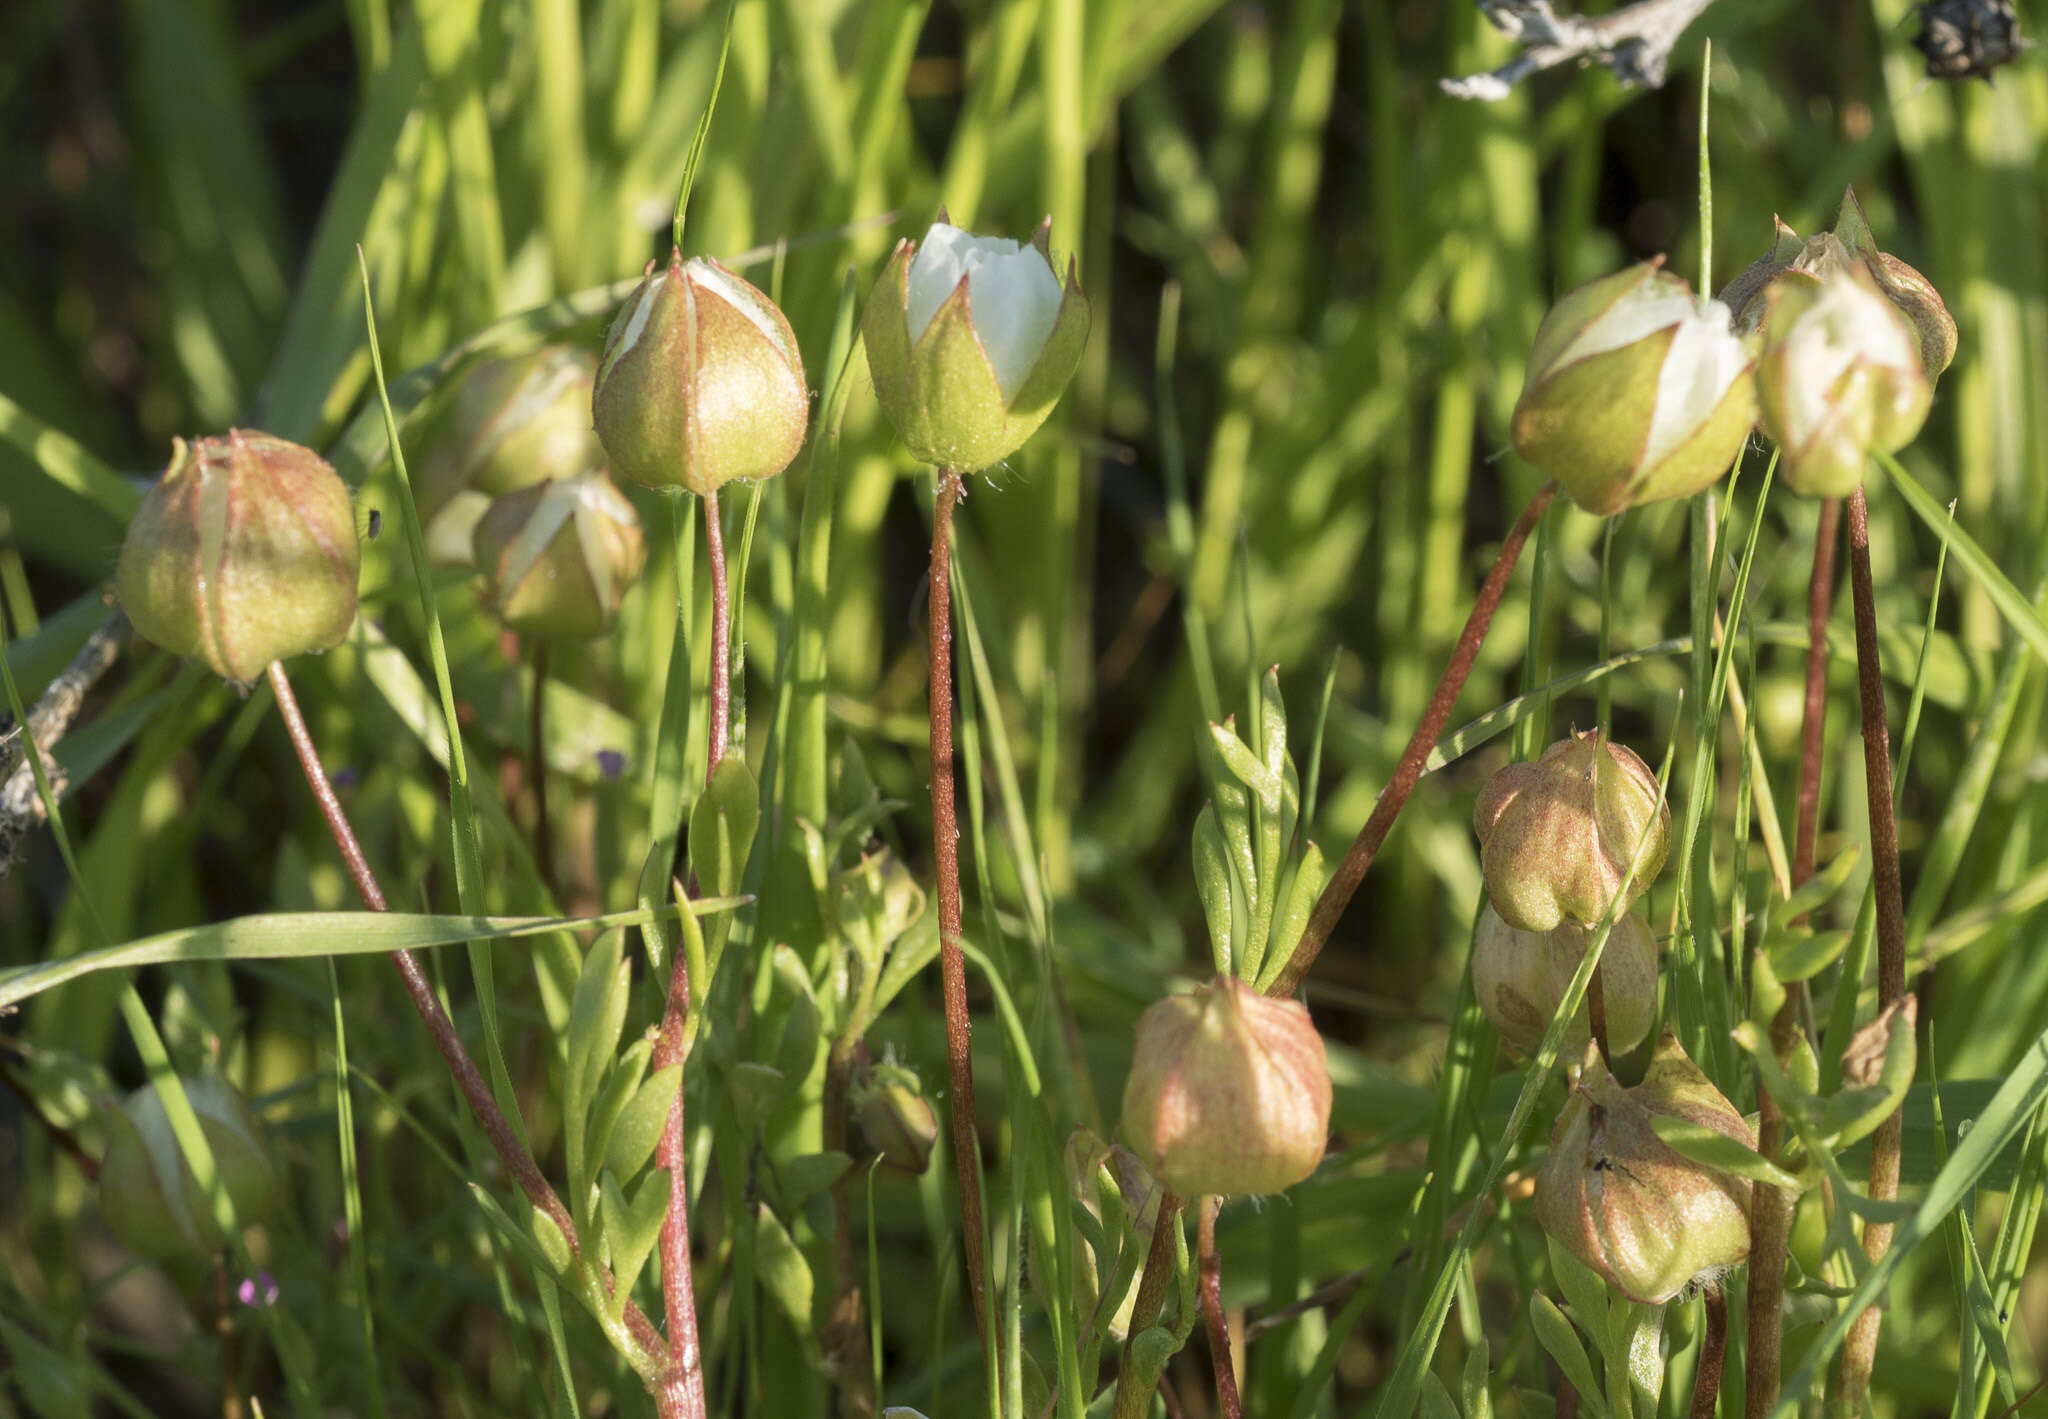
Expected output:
(1849, 324)
(1704, 359)
(1012, 295)
(1644, 311)
(741, 297)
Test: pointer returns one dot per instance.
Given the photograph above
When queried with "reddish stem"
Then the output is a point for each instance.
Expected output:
(1210, 1270)
(1859, 1352)
(1820, 595)
(1596, 1013)
(1132, 1397)
(1706, 1382)
(1408, 772)
(683, 1392)
(952, 963)
(684, 1386)
(1770, 1217)
(475, 1092)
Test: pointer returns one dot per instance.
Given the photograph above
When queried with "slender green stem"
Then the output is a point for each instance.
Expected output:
(721, 637)
(1859, 1350)
(537, 770)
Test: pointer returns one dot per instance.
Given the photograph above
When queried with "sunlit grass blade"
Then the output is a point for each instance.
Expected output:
(302, 935)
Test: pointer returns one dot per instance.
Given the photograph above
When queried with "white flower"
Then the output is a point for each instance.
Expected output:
(1013, 297)
(1847, 325)
(1637, 391)
(1840, 377)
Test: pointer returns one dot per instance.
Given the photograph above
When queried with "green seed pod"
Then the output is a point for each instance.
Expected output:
(511, 423)
(1636, 393)
(243, 553)
(701, 382)
(1850, 244)
(149, 1193)
(1520, 978)
(970, 341)
(556, 558)
(1647, 1219)
(1557, 835)
(895, 1118)
(1229, 1091)
(1840, 379)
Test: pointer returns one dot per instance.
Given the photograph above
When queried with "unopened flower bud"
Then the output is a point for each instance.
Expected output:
(1557, 835)
(557, 557)
(1520, 978)
(1849, 245)
(1637, 392)
(151, 1196)
(243, 553)
(1840, 379)
(970, 341)
(895, 1118)
(1229, 1091)
(1647, 1219)
(511, 423)
(701, 382)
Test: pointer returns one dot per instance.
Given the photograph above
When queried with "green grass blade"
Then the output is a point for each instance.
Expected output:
(279, 936)
(2013, 606)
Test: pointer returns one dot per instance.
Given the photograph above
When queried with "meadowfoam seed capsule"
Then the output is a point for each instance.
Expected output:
(1849, 245)
(1520, 978)
(556, 558)
(1616, 1196)
(510, 424)
(1840, 379)
(1229, 1091)
(243, 553)
(1557, 835)
(701, 383)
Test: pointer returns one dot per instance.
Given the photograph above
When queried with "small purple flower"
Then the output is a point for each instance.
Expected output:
(611, 763)
(258, 1290)
(345, 778)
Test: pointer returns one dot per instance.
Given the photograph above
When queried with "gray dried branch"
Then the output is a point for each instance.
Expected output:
(1634, 42)
(21, 806)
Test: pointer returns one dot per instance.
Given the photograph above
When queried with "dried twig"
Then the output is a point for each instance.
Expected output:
(1634, 42)
(21, 806)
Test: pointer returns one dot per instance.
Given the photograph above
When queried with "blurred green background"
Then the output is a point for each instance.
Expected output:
(1314, 278)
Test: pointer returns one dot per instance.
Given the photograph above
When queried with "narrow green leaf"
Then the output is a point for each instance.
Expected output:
(2012, 604)
(596, 1016)
(621, 1086)
(640, 1123)
(2002, 1120)
(631, 1228)
(1561, 1343)
(295, 935)
(780, 1264)
(1717, 1150)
